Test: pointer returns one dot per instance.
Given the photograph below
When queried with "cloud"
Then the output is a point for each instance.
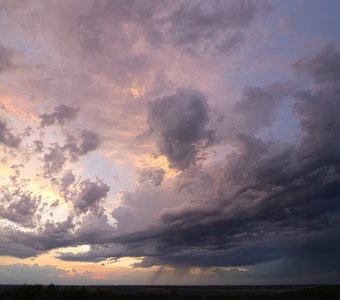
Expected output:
(178, 122)
(239, 199)
(19, 206)
(85, 194)
(214, 28)
(258, 105)
(39, 145)
(54, 159)
(67, 179)
(324, 66)
(7, 138)
(268, 201)
(33, 274)
(6, 58)
(91, 193)
(152, 176)
(76, 145)
(81, 143)
(60, 115)
(29, 274)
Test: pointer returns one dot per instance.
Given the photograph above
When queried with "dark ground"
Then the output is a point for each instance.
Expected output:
(52, 292)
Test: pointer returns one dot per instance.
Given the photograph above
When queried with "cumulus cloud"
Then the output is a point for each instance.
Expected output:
(81, 143)
(85, 194)
(54, 159)
(91, 193)
(76, 145)
(19, 206)
(60, 115)
(179, 124)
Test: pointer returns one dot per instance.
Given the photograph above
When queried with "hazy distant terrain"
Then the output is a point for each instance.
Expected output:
(169, 292)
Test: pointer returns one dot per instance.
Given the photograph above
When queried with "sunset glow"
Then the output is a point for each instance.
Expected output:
(169, 142)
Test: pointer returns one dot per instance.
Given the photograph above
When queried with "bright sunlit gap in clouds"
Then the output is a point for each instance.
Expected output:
(169, 142)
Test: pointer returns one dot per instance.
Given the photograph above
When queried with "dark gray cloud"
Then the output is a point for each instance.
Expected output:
(179, 124)
(60, 115)
(8, 138)
(152, 176)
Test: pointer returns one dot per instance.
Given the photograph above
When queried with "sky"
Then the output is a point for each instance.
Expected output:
(169, 142)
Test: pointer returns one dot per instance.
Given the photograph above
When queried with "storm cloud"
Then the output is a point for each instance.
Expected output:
(165, 138)
(259, 200)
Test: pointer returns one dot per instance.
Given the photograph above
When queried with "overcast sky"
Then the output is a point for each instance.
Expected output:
(169, 142)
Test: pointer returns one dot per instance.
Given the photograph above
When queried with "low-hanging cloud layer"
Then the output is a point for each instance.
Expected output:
(165, 133)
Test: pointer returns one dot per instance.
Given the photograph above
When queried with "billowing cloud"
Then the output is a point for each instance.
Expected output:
(179, 124)
(171, 133)
(89, 196)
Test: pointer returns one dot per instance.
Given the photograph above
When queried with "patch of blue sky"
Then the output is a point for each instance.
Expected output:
(118, 177)
(286, 127)
(310, 17)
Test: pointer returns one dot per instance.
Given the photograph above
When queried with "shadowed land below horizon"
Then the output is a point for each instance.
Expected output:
(241, 292)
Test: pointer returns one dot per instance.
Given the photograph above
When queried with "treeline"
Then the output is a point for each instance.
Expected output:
(52, 292)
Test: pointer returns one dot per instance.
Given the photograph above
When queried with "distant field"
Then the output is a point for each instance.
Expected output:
(51, 292)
